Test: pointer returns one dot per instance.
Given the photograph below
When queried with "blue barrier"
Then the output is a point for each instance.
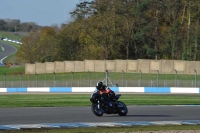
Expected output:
(16, 89)
(115, 89)
(157, 89)
(60, 89)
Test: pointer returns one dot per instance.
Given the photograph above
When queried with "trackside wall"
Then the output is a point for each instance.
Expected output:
(129, 66)
(91, 89)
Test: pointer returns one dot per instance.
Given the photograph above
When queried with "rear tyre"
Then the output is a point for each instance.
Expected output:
(122, 110)
(96, 111)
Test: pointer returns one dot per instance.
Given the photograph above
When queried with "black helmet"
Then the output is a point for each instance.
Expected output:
(99, 85)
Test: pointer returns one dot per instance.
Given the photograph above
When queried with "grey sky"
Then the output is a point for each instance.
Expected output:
(42, 12)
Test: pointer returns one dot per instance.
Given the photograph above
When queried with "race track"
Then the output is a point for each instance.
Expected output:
(21, 117)
(7, 50)
(37, 115)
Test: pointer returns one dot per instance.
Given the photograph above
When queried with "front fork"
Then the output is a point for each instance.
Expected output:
(98, 105)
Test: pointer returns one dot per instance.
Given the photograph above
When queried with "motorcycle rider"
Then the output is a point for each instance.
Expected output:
(105, 91)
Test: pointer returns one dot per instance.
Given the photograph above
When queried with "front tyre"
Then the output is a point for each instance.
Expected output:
(122, 110)
(97, 111)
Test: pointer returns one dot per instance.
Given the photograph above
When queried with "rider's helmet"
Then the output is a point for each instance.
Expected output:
(99, 85)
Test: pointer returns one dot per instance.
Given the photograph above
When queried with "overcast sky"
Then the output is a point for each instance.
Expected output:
(42, 12)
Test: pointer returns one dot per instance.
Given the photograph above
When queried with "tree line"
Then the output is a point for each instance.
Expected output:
(14, 25)
(120, 29)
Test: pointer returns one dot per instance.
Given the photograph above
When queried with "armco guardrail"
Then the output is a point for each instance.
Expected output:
(91, 89)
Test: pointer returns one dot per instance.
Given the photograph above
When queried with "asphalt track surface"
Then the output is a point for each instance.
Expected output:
(7, 50)
(37, 115)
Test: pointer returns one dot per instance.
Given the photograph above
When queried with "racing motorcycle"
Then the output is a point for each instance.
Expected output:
(107, 104)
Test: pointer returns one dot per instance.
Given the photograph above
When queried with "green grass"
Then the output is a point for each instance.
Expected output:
(12, 70)
(63, 100)
(11, 35)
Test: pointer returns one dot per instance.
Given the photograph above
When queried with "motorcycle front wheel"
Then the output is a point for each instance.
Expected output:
(122, 110)
(97, 111)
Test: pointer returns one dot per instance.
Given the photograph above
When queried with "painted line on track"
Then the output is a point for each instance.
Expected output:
(98, 124)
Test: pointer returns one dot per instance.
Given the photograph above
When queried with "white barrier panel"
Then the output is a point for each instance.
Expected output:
(184, 90)
(116, 89)
(131, 89)
(3, 89)
(83, 89)
(40, 89)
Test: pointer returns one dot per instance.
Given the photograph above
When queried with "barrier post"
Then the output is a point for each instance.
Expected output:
(122, 78)
(140, 84)
(36, 79)
(89, 78)
(175, 78)
(158, 78)
(106, 77)
(20, 79)
(5, 80)
(195, 78)
(54, 79)
(72, 79)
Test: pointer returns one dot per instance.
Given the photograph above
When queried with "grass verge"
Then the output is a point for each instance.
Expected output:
(11, 35)
(12, 70)
(95, 75)
(69, 99)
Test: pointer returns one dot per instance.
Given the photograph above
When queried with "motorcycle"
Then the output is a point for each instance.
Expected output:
(102, 104)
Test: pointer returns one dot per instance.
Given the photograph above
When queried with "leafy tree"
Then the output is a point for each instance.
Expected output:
(68, 45)
(28, 51)
(121, 29)
(47, 44)
(2, 24)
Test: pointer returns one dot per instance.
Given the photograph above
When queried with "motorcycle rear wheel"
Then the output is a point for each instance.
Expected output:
(96, 111)
(122, 110)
